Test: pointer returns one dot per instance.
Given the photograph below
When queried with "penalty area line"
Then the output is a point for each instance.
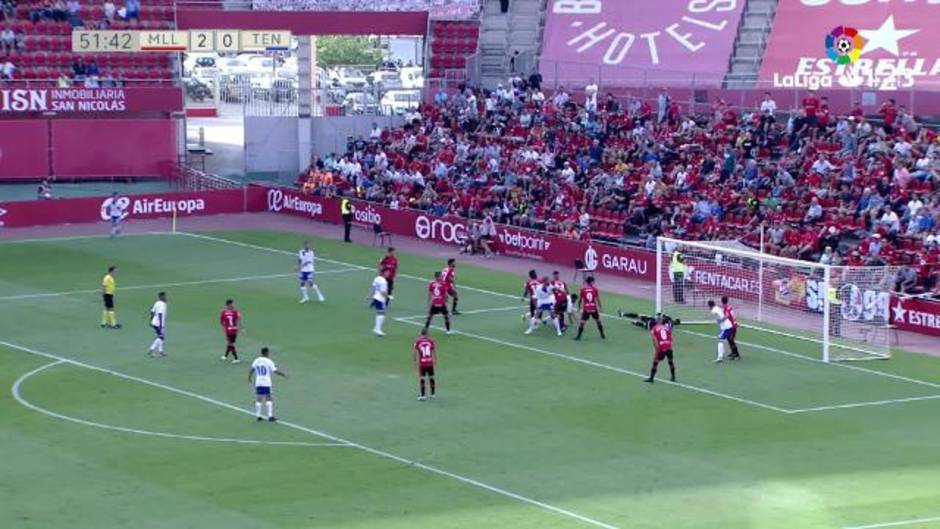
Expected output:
(365, 448)
(468, 312)
(17, 392)
(899, 523)
(851, 405)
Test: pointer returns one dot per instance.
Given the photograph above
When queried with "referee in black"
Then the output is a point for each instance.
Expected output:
(346, 209)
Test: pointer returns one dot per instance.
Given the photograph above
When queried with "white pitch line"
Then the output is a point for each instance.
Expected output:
(512, 296)
(266, 249)
(168, 285)
(469, 312)
(898, 523)
(864, 404)
(607, 367)
(374, 451)
(79, 237)
(820, 361)
(18, 395)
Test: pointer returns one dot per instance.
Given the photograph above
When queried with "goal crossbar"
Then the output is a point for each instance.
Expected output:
(841, 309)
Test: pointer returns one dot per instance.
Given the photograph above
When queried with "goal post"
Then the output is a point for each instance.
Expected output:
(841, 311)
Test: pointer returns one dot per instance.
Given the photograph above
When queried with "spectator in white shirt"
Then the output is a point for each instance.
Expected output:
(903, 148)
(814, 213)
(376, 133)
(110, 10)
(584, 220)
(590, 94)
(768, 107)
(822, 166)
(8, 40)
(7, 69)
(913, 206)
(567, 174)
(561, 97)
(890, 221)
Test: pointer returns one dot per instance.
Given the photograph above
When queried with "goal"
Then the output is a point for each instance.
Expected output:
(842, 311)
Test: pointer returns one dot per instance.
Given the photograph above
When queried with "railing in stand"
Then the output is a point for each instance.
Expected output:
(190, 179)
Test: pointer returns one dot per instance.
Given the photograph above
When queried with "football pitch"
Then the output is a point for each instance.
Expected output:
(526, 432)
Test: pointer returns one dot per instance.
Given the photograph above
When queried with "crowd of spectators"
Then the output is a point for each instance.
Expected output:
(71, 11)
(827, 188)
(13, 41)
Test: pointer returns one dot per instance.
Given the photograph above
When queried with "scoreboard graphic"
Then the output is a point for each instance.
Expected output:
(134, 41)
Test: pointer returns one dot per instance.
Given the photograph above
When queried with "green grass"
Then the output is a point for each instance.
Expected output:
(567, 424)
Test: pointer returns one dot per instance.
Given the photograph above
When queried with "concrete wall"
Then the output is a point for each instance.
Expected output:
(271, 145)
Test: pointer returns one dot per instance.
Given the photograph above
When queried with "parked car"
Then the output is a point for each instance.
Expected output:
(399, 102)
(386, 80)
(236, 88)
(349, 78)
(360, 103)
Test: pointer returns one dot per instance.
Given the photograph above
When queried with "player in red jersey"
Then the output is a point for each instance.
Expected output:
(425, 359)
(589, 301)
(230, 319)
(437, 302)
(390, 263)
(448, 276)
(528, 292)
(729, 314)
(560, 289)
(662, 347)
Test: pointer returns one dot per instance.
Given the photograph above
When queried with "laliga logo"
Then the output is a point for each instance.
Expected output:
(446, 231)
(590, 258)
(367, 216)
(275, 200)
(122, 203)
(844, 45)
(2, 213)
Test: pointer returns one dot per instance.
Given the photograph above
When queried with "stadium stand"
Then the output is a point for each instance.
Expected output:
(827, 188)
(44, 28)
(452, 43)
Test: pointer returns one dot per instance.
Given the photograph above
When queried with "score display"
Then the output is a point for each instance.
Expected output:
(212, 40)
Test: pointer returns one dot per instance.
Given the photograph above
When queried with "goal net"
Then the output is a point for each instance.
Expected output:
(842, 310)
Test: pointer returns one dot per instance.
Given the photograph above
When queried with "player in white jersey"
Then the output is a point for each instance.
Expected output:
(261, 375)
(158, 323)
(724, 328)
(544, 303)
(306, 270)
(379, 300)
(115, 210)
